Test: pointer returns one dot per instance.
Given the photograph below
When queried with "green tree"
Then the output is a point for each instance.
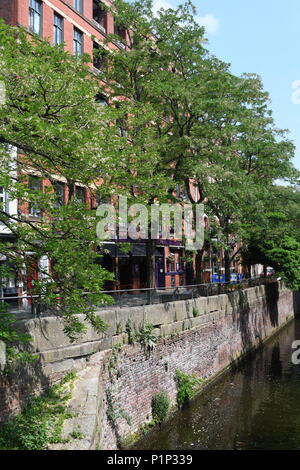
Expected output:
(275, 240)
(211, 126)
(59, 130)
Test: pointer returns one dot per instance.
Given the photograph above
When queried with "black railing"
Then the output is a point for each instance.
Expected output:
(33, 304)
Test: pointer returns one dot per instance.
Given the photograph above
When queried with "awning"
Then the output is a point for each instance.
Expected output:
(136, 249)
(113, 250)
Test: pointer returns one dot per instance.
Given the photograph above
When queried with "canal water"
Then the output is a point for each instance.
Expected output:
(256, 406)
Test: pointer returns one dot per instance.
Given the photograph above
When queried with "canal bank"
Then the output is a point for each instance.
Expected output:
(116, 380)
(255, 406)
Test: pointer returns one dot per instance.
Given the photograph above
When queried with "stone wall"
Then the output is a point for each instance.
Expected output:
(117, 380)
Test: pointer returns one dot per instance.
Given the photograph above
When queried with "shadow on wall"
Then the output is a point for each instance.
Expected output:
(17, 385)
(272, 297)
(240, 313)
(296, 303)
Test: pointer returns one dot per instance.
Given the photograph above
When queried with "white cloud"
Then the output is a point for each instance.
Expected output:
(210, 23)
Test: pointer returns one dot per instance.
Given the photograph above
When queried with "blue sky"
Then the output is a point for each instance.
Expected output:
(263, 37)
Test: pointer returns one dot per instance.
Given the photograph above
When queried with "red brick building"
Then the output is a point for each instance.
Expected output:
(83, 26)
(78, 23)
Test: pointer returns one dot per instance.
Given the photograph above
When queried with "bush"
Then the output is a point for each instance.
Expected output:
(186, 386)
(160, 406)
(146, 337)
(41, 421)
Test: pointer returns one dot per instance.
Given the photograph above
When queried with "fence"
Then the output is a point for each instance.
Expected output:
(33, 305)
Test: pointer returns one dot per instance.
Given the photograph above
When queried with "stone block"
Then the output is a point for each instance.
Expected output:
(120, 339)
(213, 303)
(187, 324)
(171, 329)
(59, 367)
(73, 351)
(201, 304)
(223, 301)
(134, 314)
(110, 318)
(159, 314)
(181, 310)
(47, 333)
(197, 321)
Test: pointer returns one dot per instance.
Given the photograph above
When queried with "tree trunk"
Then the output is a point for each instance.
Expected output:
(150, 263)
(249, 269)
(227, 266)
(265, 270)
(198, 264)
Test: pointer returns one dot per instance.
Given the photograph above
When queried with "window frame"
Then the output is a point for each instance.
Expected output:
(75, 42)
(98, 62)
(75, 5)
(3, 200)
(103, 24)
(57, 28)
(32, 13)
(82, 190)
(38, 186)
(59, 195)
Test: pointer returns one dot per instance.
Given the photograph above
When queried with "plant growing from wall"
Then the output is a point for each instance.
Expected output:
(41, 421)
(14, 340)
(113, 362)
(187, 385)
(160, 404)
(195, 312)
(146, 337)
(131, 331)
(113, 414)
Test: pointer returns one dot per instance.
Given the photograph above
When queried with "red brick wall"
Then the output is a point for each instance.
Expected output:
(8, 11)
(17, 12)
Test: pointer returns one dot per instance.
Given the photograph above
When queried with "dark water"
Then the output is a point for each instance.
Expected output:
(255, 407)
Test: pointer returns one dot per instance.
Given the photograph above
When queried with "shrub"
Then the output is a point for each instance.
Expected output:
(41, 421)
(160, 406)
(187, 385)
(146, 337)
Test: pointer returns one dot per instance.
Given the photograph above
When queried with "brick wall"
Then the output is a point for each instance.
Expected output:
(8, 11)
(16, 12)
(224, 327)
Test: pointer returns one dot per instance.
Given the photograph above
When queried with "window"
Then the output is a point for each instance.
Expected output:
(35, 185)
(120, 31)
(78, 4)
(78, 42)
(35, 16)
(99, 15)
(58, 29)
(102, 199)
(171, 263)
(98, 56)
(2, 198)
(59, 189)
(80, 194)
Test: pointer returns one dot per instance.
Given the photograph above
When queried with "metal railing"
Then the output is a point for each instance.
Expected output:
(125, 298)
